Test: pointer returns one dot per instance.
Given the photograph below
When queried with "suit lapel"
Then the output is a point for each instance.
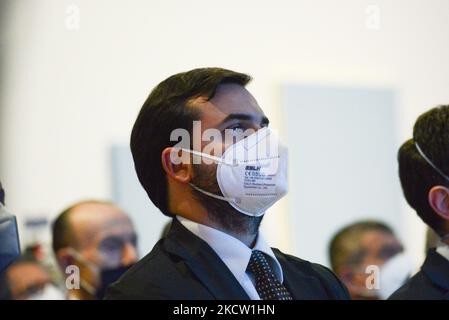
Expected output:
(436, 268)
(204, 263)
(300, 285)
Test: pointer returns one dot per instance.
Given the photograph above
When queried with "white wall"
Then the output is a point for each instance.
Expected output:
(68, 94)
(342, 149)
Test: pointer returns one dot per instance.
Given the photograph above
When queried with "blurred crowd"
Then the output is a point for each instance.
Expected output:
(213, 248)
(99, 239)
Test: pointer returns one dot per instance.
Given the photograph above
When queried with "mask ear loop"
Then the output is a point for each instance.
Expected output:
(219, 160)
(443, 238)
(213, 195)
(83, 283)
(430, 162)
(208, 156)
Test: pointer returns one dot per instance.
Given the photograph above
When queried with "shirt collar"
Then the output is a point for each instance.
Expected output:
(234, 253)
(443, 249)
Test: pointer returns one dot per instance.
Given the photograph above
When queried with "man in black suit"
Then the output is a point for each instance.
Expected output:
(424, 174)
(217, 193)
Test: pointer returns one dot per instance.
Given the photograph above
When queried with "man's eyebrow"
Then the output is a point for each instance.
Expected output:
(244, 116)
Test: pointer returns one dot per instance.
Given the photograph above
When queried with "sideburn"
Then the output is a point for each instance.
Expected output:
(220, 211)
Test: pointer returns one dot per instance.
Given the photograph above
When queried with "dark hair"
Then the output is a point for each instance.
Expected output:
(431, 132)
(167, 108)
(61, 231)
(345, 247)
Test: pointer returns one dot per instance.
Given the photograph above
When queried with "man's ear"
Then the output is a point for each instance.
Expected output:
(176, 164)
(64, 258)
(439, 201)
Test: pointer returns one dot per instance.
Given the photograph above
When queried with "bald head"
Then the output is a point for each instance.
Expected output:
(83, 222)
(94, 236)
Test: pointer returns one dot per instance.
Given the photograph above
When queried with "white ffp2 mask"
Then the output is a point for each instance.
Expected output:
(252, 173)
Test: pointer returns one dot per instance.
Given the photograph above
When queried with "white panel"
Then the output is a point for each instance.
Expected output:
(342, 162)
(130, 195)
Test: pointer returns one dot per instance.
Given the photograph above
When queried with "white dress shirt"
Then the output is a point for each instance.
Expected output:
(443, 250)
(235, 254)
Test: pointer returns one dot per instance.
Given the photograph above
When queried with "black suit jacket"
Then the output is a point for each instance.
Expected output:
(430, 283)
(182, 266)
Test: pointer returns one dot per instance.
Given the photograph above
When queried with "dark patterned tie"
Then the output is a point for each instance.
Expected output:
(267, 285)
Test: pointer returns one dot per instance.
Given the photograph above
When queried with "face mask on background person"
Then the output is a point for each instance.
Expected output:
(440, 172)
(106, 276)
(394, 273)
(252, 173)
(391, 276)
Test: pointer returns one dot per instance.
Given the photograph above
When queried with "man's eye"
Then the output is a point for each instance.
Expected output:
(111, 244)
(237, 127)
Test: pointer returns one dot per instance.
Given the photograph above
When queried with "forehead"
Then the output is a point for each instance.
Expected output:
(94, 221)
(228, 99)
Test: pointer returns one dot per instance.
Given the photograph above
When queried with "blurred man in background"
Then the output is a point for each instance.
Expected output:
(27, 279)
(424, 174)
(363, 244)
(99, 239)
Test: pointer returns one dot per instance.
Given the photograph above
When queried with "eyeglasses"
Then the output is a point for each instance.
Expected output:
(111, 247)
